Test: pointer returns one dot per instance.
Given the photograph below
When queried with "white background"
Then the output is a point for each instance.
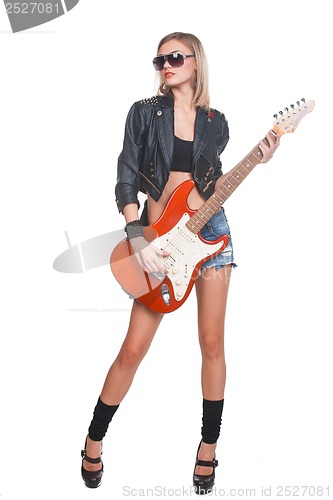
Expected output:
(66, 88)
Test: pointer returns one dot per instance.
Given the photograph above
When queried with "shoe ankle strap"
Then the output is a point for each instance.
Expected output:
(89, 459)
(207, 463)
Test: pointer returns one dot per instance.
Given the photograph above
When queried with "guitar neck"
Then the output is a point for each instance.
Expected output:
(230, 182)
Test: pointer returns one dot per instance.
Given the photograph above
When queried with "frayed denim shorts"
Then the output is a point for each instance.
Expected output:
(214, 228)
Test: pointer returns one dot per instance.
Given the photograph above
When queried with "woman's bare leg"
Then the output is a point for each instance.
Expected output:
(212, 291)
(142, 328)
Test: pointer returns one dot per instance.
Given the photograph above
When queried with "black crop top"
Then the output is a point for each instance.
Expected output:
(182, 155)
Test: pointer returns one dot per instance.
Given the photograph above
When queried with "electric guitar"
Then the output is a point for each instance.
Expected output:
(177, 231)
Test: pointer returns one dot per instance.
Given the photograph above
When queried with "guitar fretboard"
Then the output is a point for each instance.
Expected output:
(231, 182)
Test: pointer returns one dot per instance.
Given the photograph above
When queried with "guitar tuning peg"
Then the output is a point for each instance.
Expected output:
(275, 116)
(303, 99)
(298, 103)
(286, 109)
(281, 112)
(292, 105)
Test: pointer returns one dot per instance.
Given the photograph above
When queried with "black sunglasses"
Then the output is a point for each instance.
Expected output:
(175, 59)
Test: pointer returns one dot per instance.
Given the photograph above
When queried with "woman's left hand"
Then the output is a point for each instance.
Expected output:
(268, 151)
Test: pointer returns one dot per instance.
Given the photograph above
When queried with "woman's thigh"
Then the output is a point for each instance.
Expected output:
(142, 328)
(212, 291)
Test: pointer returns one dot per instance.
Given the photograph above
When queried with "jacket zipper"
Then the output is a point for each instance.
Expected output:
(159, 192)
(207, 186)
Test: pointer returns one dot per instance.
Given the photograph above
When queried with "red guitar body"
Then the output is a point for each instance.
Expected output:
(166, 292)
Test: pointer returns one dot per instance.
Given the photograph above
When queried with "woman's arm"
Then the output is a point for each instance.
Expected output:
(148, 255)
(130, 159)
(131, 212)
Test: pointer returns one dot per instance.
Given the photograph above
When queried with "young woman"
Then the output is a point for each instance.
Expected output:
(170, 138)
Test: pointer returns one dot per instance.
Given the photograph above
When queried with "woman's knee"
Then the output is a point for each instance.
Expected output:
(212, 345)
(131, 354)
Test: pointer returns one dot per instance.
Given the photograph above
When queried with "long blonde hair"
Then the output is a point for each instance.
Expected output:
(201, 89)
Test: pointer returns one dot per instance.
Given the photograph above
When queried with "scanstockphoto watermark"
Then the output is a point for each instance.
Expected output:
(273, 491)
(25, 15)
(164, 491)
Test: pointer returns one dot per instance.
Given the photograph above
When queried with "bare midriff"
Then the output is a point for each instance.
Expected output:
(194, 200)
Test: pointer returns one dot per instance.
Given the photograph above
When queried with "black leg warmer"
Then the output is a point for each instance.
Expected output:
(211, 420)
(103, 414)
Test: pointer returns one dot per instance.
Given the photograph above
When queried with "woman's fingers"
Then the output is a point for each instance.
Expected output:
(269, 150)
(150, 259)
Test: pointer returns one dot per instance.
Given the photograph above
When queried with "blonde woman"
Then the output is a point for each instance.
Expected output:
(170, 138)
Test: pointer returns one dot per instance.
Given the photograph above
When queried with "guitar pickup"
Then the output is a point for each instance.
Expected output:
(168, 261)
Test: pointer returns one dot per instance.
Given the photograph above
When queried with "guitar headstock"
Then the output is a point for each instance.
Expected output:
(287, 121)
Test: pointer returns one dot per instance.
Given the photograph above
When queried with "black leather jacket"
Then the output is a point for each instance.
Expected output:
(146, 159)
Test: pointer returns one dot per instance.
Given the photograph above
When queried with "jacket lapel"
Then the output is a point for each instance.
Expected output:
(165, 124)
(200, 133)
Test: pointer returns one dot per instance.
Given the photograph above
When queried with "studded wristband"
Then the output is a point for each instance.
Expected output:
(134, 229)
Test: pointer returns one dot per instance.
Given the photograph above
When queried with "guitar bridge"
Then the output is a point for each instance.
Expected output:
(159, 275)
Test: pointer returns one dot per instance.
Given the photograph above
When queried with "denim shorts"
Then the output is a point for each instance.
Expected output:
(214, 228)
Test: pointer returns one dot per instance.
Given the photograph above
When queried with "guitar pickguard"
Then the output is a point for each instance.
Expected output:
(186, 250)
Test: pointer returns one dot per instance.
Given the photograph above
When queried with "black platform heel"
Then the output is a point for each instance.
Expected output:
(204, 484)
(91, 478)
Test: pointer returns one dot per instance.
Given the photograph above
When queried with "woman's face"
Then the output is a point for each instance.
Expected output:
(174, 77)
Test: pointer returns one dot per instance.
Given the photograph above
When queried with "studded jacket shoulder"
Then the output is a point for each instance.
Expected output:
(146, 158)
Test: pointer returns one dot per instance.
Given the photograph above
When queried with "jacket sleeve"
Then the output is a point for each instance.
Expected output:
(222, 141)
(223, 135)
(130, 159)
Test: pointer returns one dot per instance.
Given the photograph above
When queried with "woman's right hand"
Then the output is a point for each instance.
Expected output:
(148, 255)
